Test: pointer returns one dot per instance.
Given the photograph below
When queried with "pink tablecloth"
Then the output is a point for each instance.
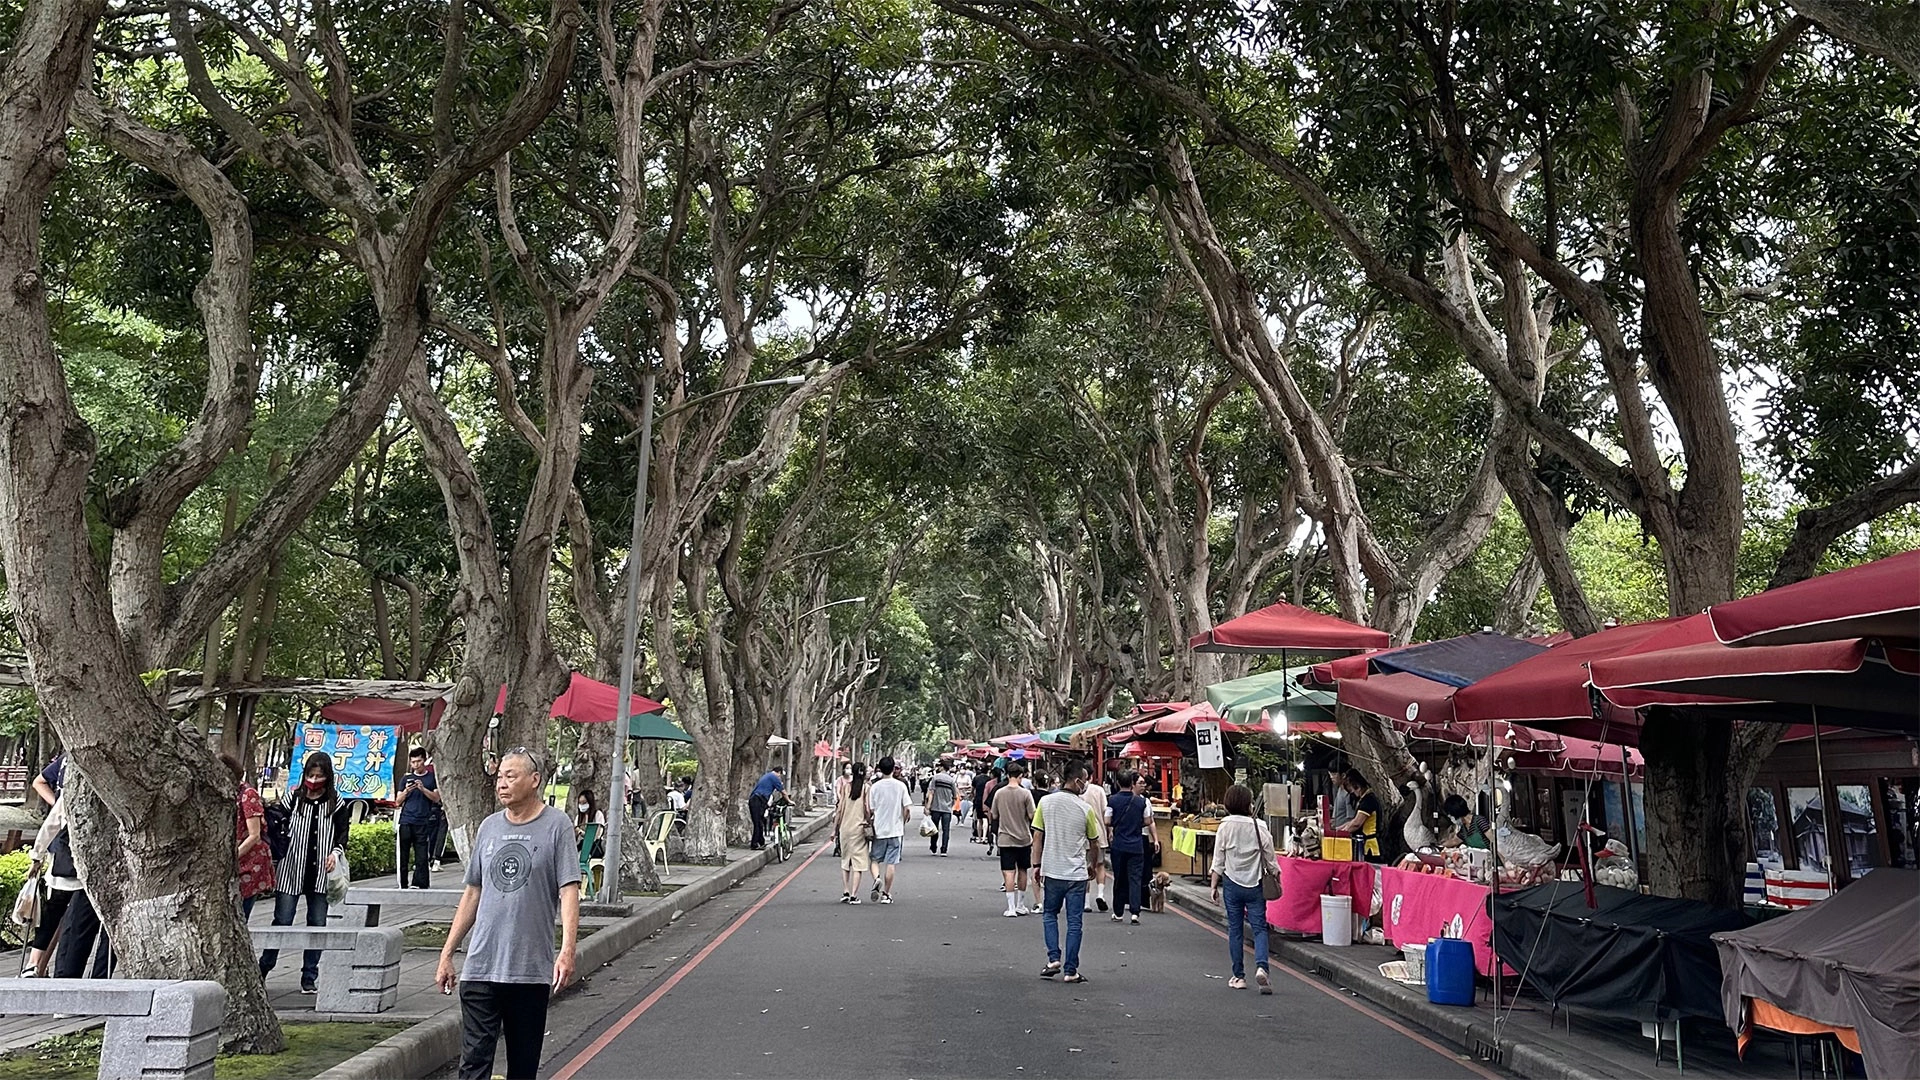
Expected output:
(1415, 908)
(1304, 881)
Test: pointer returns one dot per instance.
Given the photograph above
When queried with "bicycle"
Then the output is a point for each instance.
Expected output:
(782, 840)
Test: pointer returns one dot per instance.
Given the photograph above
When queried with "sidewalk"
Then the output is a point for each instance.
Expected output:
(436, 1015)
(1528, 1043)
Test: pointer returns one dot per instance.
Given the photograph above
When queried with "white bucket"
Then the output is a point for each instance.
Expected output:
(1336, 920)
(1416, 961)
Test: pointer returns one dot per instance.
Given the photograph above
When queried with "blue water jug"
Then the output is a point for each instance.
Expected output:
(1449, 972)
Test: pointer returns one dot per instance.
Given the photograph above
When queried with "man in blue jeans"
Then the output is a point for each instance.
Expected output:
(1066, 841)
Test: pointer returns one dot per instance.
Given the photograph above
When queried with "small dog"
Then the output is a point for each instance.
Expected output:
(1302, 840)
(1157, 891)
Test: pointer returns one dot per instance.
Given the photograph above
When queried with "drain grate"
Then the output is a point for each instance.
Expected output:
(1484, 1050)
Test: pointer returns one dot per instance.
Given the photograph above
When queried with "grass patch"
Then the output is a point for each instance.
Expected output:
(433, 935)
(311, 1049)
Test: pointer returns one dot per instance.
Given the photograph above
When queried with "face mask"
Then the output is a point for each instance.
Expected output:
(582, 806)
(315, 783)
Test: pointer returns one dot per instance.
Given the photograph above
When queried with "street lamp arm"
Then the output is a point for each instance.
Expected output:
(788, 380)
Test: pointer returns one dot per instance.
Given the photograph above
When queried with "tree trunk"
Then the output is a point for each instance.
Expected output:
(1696, 829)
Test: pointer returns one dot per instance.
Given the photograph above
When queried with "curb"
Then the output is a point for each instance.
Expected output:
(431, 1044)
(1461, 1028)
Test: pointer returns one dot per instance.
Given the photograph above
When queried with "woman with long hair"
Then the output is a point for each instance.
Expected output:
(849, 815)
(1240, 849)
(318, 827)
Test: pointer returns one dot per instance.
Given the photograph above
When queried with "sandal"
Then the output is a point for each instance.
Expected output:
(1050, 970)
(1236, 983)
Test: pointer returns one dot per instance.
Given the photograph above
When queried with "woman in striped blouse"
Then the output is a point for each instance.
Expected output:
(319, 842)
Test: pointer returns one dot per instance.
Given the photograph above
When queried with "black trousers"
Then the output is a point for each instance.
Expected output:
(489, 1010)
(53, 908)
(416, 844)
(942, 820)
(1130, 874)
(757, 810)
(77, 935)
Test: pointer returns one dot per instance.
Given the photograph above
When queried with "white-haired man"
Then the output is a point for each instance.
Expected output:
(524, 867)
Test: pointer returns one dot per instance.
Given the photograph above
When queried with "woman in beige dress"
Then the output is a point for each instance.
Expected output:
(849, 814)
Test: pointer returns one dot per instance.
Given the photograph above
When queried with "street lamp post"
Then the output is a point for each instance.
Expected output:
(630, 629)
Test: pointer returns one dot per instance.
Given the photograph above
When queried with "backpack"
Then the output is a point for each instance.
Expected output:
(279, 831)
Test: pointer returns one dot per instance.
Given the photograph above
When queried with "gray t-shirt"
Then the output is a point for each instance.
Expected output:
(520, 870)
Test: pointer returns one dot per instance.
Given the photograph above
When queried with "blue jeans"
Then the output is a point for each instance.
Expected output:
(283, 905)
(1245, 904)
(1072, 894)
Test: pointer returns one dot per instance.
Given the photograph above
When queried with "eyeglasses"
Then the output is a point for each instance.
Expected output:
(525, 752)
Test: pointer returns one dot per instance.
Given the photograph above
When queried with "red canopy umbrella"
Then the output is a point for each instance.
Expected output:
(1551, 687)
(1587, 756)
(1279, 627)
(1878, 599)
(1346, 667)
(1861, 675)
(825, 749)
(1402, 697)
(1181, 723)
(1148, 748)
(589, 701)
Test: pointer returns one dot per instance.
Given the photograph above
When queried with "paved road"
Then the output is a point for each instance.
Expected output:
(776, 979)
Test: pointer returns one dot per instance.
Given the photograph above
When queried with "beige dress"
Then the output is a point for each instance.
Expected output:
(854, 848)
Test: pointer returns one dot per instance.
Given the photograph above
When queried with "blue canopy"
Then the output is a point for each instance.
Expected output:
(1458, 661)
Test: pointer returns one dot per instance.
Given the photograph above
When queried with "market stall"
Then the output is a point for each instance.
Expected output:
(1304, 881)
(1415, 908)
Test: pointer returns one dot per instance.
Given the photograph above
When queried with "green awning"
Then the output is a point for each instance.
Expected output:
(1243, 700)
(1062, 734)
(656, 726)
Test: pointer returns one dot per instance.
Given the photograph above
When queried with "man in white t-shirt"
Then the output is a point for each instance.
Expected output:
(1066, 841)
(888, 802)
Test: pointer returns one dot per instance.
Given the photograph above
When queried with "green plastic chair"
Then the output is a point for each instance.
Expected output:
(591, 869)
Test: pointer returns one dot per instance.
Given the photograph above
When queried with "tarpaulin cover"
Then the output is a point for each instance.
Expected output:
(1457, 661)
(1852, 961)
(381, 712)
(1877, 599)
(1632, 956)
(1284, 626)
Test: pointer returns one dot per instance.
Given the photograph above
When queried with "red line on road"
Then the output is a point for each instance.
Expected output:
(1469, 1063)
(612, 1033)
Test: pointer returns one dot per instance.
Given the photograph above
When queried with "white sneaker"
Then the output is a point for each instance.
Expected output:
(1011, 913)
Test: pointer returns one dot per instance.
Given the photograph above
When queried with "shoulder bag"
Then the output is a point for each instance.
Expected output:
(1269, 869)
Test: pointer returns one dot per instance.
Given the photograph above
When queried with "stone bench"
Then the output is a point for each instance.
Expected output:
(359, 966)
(156, 1029)
(364, 901)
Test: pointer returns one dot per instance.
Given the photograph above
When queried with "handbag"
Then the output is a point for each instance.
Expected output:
(1269, 872)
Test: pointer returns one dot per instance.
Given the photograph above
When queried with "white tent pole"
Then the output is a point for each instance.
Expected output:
(1829, 807)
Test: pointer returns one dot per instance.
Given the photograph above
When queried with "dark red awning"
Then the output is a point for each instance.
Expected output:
(382, 712)
(1878, 599)
(1284, 626)
(1401, 697)
(1857, 675)
(1147, 748)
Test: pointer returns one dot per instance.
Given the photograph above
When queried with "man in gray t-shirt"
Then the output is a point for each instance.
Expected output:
(523, 869)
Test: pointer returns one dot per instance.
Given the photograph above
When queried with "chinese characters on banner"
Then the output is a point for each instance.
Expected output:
(362, 757)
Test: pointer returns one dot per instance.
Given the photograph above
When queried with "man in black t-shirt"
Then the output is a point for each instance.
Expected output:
(980, 779)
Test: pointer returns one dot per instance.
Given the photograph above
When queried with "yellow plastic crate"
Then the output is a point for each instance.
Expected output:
(1336, 848)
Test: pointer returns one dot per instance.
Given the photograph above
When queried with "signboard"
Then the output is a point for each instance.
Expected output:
(1207, 745)
(362, 757)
